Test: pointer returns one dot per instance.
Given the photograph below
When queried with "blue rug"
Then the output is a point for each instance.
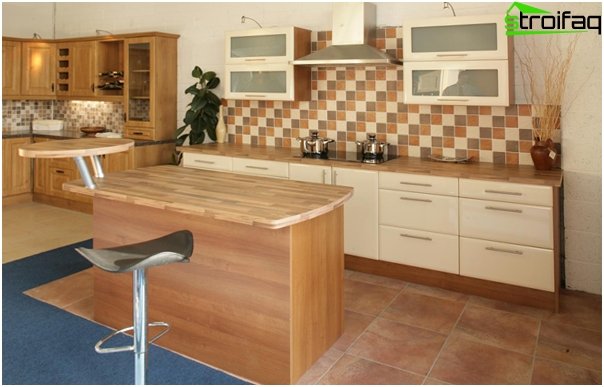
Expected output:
(42, 344)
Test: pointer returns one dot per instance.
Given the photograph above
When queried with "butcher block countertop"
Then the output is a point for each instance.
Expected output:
(251, 200)
(523, 174)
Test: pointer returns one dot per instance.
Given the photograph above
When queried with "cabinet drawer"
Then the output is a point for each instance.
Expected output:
(511, 264)
(419, 183)
(203, 161)
(261, 167)
(419, 211)
(506, 222)
(310, 173)
(419, 248)
(506, 192)
(62, 163)
(139, 133)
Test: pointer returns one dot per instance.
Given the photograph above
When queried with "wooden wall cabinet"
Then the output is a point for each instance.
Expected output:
(16, 170)
(76, 69)
(11, 68)
(38, 70)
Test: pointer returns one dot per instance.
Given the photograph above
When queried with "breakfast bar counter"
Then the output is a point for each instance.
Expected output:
(262, 295)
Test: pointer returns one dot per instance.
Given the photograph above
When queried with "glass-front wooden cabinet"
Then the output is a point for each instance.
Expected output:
(258, 64)
(458, 83)
(456, 38)
(139, 82)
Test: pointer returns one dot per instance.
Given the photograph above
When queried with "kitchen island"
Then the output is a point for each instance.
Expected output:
(262, 295)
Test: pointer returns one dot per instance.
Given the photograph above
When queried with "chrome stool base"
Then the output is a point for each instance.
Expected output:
(99, 349)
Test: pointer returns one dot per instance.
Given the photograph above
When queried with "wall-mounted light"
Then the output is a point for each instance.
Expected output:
(447, 5)
(37, 36)
(244, 18)
(100, 32)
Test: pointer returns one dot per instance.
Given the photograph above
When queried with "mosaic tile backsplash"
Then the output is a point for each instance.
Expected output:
(18, 115)
(348, 102)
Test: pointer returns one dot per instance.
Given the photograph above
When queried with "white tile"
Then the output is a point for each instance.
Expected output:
(583, 276)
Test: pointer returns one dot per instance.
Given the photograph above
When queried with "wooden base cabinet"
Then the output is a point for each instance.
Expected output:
(16, 170)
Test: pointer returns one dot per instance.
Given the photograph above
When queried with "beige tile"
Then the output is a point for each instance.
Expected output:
(320, 367)
(436, 314)
(468, 362)
(399, 345)
(353, 370)
(569, 344)
(354, 325)
(511, 331)
(553, 372)
(367, 298)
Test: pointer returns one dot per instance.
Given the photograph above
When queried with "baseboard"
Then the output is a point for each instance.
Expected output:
(63, 203)
(489, 289)
(16, 199)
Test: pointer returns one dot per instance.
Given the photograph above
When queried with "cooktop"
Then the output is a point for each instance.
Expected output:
(356, 157)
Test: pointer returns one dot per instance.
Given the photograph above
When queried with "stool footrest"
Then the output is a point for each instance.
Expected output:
(98, 347)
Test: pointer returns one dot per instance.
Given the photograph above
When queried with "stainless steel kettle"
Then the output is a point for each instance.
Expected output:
(372, 147)
(314, 144)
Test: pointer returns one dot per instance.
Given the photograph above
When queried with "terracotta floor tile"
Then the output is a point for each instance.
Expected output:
(321, 366)
(367, 298)
(579, 309)
(436, 292)
(433, 382)
(469, 362)
(399, 345)
(375, 279)
(353, 370)
(501, 329)
(436, 314)
(354, 325)
(553, 372)
(508, 307)
(569, 344)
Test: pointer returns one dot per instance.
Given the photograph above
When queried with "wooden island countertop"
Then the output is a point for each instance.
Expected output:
(262, 295)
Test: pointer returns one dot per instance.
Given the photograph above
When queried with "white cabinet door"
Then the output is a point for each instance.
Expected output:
(261, 45)
(261, 167)
(262, 82)
(360, 212)
(204, 161)
(310, 173)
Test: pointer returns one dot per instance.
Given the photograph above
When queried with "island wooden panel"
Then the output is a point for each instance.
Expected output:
(76, 147)
(263, 304)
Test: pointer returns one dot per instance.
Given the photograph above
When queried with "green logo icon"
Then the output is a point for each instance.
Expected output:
(530, 20)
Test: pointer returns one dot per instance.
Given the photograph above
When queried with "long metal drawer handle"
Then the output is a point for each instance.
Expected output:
(255, 60)
(453, 99)
(517, 252)
(254, 167)
(502, 192)
(255, 95)
(416, 200)
(504, 209)
(417, 184)
(205, 161)
(416, 237)
(451, 54)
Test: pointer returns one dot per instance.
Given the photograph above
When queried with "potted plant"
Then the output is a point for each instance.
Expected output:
(203, 109)
(544, 78)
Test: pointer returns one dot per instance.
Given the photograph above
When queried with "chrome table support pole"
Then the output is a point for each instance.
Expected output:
(84, 172)
(140, 326)
(97, 167)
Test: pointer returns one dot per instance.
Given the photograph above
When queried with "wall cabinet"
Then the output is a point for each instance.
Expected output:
(38, 70)
(150, 96)
(11, 68)
(360, 212)
(258, 64)
(456, 38)
(310, 173)
(16, 170)
(76, 69)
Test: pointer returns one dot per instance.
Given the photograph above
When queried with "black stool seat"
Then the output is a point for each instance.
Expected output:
(172, 248)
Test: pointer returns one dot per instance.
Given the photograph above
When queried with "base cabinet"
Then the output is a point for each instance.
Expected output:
(16, 170)
(310, 173)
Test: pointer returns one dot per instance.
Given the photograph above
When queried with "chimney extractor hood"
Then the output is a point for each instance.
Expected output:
(353, 39)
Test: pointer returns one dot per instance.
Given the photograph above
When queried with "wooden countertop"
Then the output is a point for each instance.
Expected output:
(523, 174)
(252, 200)
(76, 147)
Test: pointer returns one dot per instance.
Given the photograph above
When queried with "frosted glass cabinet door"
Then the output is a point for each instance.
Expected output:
(273, 82)
(457, 83)
(266, 45)
(457, 38)
(139, 85)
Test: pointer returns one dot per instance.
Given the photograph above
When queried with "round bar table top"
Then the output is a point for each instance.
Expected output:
(76, 147)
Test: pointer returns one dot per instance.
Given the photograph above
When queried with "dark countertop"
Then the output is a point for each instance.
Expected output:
(67, 134)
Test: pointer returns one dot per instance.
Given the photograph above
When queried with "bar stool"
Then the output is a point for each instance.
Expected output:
(172, 248)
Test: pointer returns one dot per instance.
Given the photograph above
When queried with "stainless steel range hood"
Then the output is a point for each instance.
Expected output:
(353, 39)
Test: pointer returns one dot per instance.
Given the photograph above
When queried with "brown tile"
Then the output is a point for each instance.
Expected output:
(433, 381)
(375, 279)
(508, 307)
(353, 370)
(367, 298)
(569, 344)
(399, 345)
(511, 331)
(469, 362)
(552, 372)
(436, 292)
(436, 314)
(579, 309)
(65, 291)
(354, 325)
(320, 367)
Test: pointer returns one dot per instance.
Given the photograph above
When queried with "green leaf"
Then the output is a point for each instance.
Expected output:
(197, 73)
(208, 76)
(212, 133)
(181, 140)
(190, 116)
(197, 138)
(198, 103)
(213, 83)
(180, 130)
(192, 89)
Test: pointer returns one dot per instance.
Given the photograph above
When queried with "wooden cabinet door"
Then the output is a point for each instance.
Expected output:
(11, 68)
(38, 77)
(16, 170)
(83, 72)
(116, 162)
(41, 171)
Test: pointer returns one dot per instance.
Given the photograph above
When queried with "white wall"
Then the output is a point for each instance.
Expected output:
(202, 26)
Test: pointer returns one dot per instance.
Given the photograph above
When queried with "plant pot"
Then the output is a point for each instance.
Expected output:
(542, 153)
